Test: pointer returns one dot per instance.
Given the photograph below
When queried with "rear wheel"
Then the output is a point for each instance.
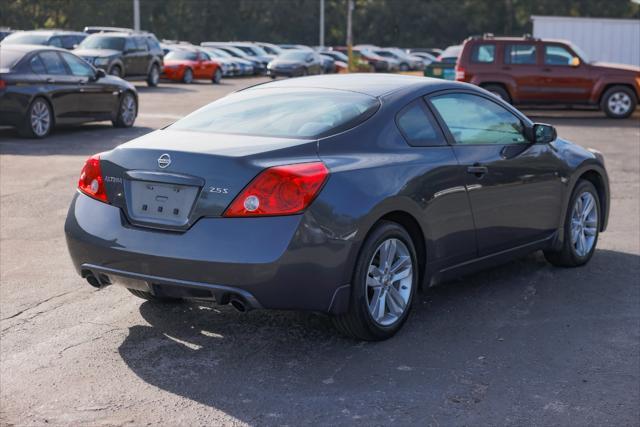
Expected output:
(188, 76)
(384, 282)
(154, 76)
(581, 228)
(38, 121)
(127, 111)
(217, 77)
(498, 91)
(618, 102)
(150, 297)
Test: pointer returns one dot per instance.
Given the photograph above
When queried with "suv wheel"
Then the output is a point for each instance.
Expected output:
(154, 76)
(116, 71)
(383, 285)
(618, 102)
(38, 121)
(499, 91)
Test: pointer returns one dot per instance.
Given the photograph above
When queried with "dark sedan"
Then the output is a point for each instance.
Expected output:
(341, 194)
(294, 63)
(41, 87)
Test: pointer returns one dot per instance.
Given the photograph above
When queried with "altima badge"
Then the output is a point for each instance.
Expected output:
(164, 161)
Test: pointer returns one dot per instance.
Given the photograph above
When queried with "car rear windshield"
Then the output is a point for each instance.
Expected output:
(294, 55)
(26, 38)
(181, 54)
(9, 57)
(102, 42)
(287, 113)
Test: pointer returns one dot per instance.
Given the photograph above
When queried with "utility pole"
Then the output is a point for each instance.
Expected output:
(136, 15)
(321, 23)
(350, 34)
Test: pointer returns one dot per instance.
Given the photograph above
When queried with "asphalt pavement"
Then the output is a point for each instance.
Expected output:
(521, 344)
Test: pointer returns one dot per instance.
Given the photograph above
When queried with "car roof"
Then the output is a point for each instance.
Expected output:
(369, 84)
(26, 48)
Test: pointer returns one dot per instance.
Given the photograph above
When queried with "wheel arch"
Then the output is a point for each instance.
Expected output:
(608, 86)
(503, 85)
(598, 181)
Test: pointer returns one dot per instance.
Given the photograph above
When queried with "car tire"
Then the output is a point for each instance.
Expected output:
(217, 77)
(618, 102)
(154, 76)
(372, 282)
(150, 297)
(187, 78)
(581, 228)
(127, 111)
(38, 121)
(116, 70)
(499, 91)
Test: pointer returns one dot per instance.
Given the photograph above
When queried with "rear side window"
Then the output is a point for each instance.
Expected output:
(520, 54)
(53, 63)
(37, 66)
(55, 41)
(483, 53)
(417, 126)
(141, 44)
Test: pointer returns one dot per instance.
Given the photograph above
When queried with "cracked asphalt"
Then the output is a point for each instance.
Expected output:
(522, 344)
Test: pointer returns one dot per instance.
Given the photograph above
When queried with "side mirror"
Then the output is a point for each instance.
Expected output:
(575, 61)
(544, 133)
(100, 74)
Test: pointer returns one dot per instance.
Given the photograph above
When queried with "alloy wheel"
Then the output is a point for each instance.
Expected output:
(619, 103)
(188, 76)
(389, 282)
(40, 118)
(584, 223)
(155, 75)
(128, 109)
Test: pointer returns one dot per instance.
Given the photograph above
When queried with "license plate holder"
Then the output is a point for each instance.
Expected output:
(161, 203)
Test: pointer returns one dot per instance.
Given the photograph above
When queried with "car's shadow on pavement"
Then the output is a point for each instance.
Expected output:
(512, 343)
(69, 140)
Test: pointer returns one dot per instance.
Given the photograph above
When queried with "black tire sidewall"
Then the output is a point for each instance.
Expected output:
(150, 81)
(382, 232)
(580, 188)
(116, 67)
(500, 91)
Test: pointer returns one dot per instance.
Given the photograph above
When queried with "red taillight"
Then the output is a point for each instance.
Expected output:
(280, 190)
(3, 84)
(460, 74)
(91, 181)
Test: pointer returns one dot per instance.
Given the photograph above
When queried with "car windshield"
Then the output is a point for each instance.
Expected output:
(102, 42)
(294, 55)
(451, 52)
(583, 56)
(26, 38)
(9, 57)
(221, 53)
(252, 50)
(293, 113)
(181, 54)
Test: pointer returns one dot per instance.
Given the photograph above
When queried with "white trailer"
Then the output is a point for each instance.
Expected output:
(602, 39)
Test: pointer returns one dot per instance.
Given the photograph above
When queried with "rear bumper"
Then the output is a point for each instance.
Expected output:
(272, 262)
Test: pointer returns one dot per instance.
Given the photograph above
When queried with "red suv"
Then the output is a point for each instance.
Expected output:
(533, 71)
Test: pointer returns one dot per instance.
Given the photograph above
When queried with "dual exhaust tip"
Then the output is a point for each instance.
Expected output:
(100, 281)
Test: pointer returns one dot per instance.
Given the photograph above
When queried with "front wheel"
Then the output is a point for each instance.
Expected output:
(217, 77)
(581, 228)
(188, 76)
(127, 111)
(154, 76)
(384, 282)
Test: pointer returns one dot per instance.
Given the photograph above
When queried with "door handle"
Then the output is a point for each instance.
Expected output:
(477, 170)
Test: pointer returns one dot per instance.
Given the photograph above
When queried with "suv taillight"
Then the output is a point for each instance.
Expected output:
(91, 181)
(280, 190)
(3, 84)
(460, 74)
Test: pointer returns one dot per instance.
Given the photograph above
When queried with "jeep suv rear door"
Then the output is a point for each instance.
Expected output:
(521, 61)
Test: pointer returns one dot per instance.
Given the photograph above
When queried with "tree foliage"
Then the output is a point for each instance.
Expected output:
(406, 23)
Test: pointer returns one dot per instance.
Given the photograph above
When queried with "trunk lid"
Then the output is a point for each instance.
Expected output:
(169, 179)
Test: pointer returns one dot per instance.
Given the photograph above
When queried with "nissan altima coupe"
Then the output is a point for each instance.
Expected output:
(341, 194)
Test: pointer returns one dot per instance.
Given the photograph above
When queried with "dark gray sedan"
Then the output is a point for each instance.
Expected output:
(340, 194)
